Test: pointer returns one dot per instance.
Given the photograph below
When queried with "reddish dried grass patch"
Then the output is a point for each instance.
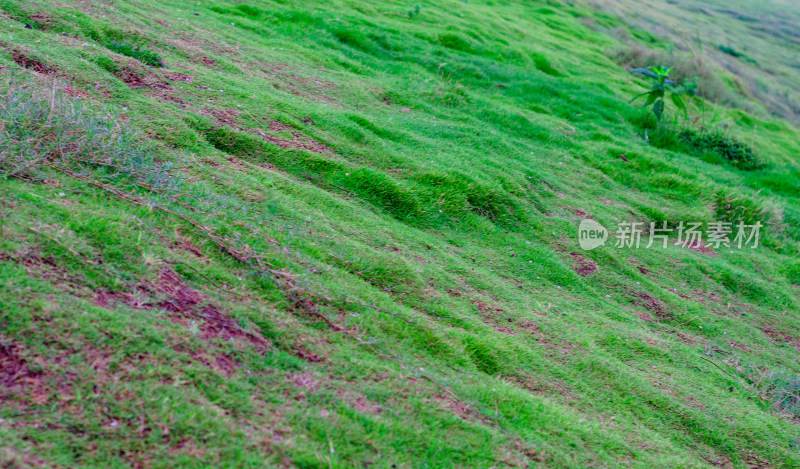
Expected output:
(23, 383)
(170, 293)
(131, 76)
(302, 352)
(582, 266)
(358, 402)
(699, 246)
(781, 337)
(25, 61)
(312, 88)
(654, 305)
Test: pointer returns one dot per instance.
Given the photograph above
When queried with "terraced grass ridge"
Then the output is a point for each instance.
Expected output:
(345, 233)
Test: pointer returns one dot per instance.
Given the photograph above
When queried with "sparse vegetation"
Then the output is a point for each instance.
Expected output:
(42, 128)
(784, 390)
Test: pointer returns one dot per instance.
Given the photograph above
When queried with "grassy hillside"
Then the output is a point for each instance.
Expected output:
(755, 41)
(340, 234)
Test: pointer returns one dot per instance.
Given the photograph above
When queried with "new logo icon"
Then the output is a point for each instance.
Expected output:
(591, 234)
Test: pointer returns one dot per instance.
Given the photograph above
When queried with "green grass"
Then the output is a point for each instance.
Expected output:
(336, 234)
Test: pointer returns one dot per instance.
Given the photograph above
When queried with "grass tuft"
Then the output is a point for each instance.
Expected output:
(714, 144)
(144, 56)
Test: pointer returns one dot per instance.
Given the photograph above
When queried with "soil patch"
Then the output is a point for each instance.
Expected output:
(24, 60)
(653, 305)
(170, 293)
(582, 266)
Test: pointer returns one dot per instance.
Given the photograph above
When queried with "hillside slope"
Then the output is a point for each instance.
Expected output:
(334, 234)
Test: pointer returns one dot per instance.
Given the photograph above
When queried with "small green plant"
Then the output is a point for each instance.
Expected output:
(145, 56)
(412, 12)
(659, 90)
